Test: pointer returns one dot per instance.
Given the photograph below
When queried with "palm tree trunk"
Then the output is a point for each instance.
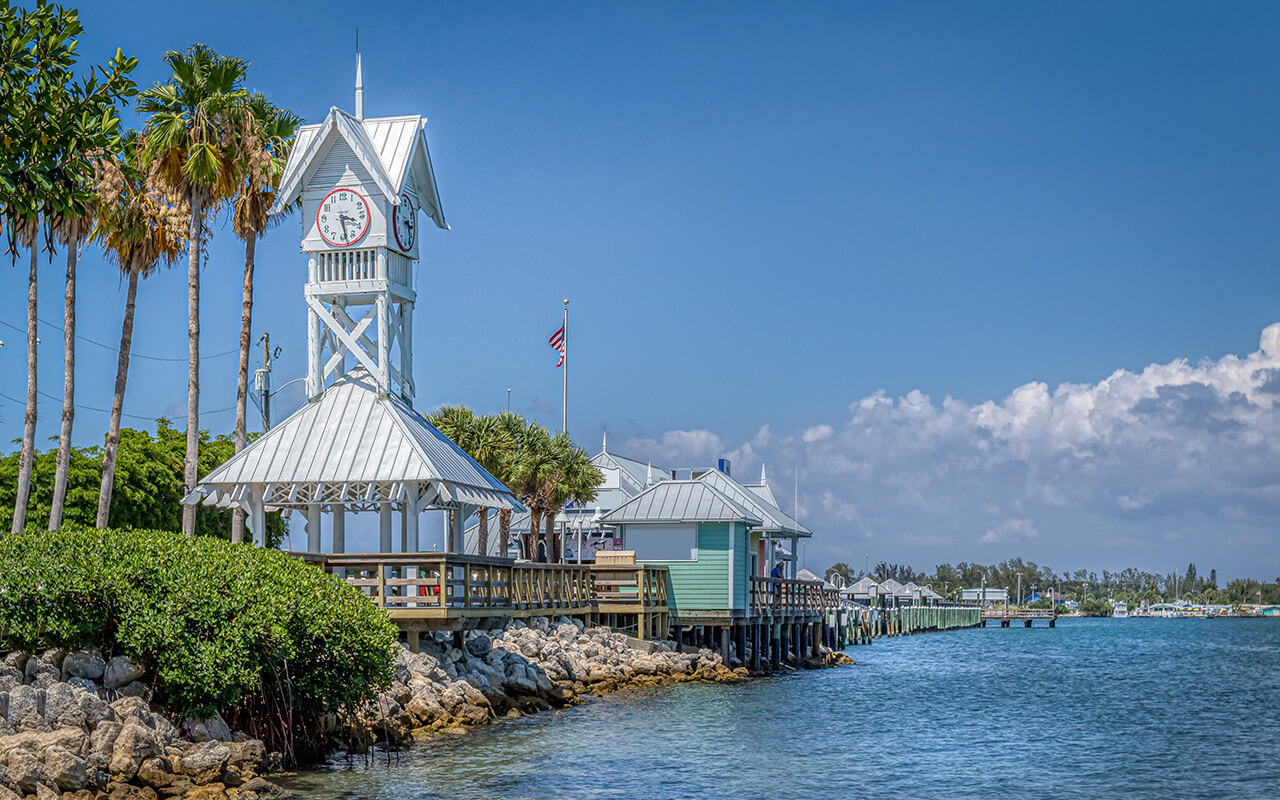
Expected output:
(117, 404)
(191, 466)
(504, 531)
(242, 378)
(68, 389)
(483, 536)
(531, 538)
(27, 457)
(553, 550)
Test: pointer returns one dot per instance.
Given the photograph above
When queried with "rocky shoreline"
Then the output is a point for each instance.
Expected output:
(520, 669)
(78, 727)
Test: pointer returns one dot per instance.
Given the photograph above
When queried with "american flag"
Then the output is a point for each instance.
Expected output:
(557, 343)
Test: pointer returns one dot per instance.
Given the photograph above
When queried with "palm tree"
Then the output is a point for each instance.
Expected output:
(70, 231)
(513, 428)
(139, 229)
(571, 478)
(194, 143)
(488, 443)
(28, 233)
(274, 131)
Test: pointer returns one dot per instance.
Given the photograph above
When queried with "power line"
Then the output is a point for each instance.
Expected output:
(79, 407)
(113, 349)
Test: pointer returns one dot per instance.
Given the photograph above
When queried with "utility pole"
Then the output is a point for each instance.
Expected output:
(262, 383)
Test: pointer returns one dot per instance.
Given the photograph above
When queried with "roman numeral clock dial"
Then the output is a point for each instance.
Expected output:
(343, 217)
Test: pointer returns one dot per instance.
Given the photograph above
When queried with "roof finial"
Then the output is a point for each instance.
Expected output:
(359, 81)
(604, 445)
(764, 480)
(648, 478)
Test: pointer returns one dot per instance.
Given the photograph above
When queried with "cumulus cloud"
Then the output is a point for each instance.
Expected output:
(1085, 474)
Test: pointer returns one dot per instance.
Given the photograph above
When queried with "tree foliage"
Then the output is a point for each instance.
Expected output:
(253, 633)
(148, 484)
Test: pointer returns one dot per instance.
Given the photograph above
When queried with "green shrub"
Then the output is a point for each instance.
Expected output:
(1096, 608)
(220, 627)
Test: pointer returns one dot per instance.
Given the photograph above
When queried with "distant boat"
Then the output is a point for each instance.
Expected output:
(1121, 610)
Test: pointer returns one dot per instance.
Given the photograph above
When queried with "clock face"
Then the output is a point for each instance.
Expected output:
(343, 217)
(406, 223)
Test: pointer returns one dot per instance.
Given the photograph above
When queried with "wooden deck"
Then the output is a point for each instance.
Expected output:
(444, 591)
(1007, 616)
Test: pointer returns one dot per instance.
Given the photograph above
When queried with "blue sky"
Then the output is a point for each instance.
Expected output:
(764, 215)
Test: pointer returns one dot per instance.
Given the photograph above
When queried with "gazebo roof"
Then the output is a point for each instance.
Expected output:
(772, 518)
(356, 447)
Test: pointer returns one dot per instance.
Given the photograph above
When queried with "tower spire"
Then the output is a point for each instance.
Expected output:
(604, 444)
(359, 83)
(764, 480)
(648, 478)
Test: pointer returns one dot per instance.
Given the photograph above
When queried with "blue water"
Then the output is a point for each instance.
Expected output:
(1139, 708)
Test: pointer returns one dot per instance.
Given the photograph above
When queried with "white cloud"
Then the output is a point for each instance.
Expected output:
(1105, 469)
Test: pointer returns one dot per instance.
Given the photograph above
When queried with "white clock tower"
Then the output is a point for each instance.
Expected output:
(357, 445)
(361, 183)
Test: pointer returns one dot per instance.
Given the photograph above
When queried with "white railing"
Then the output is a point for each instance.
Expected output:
(362, 265)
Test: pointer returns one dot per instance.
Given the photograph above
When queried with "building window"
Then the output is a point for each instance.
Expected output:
(663, 542)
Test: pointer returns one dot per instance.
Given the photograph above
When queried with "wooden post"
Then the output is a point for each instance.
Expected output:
(411, 639)
(724, 644)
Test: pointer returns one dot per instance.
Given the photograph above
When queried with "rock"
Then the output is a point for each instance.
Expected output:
(206, 762)
(8, 794)
(9, 677)
(26, 771)
(102, 744)
(425, 709)
(95, 709)
(259, 789)
(120, 671)
(127, 791)
(83, 664)
(154, 772)
(132, 746)
(247, 755)
(133, 708)
(26, 708)
(62, 707)
(213, 729)
(479, 645)
(41, 673)
(88, 686)
(136, 689)
(67, 770)
(165, 729)
(213, 791)
(46, 792)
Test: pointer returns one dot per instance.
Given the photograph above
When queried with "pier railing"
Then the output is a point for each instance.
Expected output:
(629, 584)
(450, 581)
(783, 596)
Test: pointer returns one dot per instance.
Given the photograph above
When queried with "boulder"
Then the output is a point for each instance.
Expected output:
(26, 708)
(132, 746)
(68, 771)
(127, 791)
(136, 689)
(83, 664)
(479, 645)
(16, 660)
(259, 789)
(41, 673)
(154, 772)
(102, 744)
(248, 755)
(95, 709)
(205, 763)
(425, 709)
(133, 708)
(9, 677)
(26, 771)
(62, 707)
(213, 729)
(120, 671)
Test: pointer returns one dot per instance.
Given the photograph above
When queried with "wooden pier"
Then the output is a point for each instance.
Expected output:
(1007, 616)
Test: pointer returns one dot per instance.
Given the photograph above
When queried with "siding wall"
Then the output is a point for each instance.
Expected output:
(703, 584)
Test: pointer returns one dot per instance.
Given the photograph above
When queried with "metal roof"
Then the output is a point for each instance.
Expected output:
(680, 501)
(765, 493)
(354, 445)
(862, 586)
(772, 518)
(390, 148)
(637, 471)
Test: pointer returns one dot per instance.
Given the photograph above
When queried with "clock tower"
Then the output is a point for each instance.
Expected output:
(363, 184)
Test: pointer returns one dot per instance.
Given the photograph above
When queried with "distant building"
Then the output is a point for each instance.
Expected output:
(992, 596)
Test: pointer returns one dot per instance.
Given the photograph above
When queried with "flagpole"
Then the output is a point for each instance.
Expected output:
(564, 396)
